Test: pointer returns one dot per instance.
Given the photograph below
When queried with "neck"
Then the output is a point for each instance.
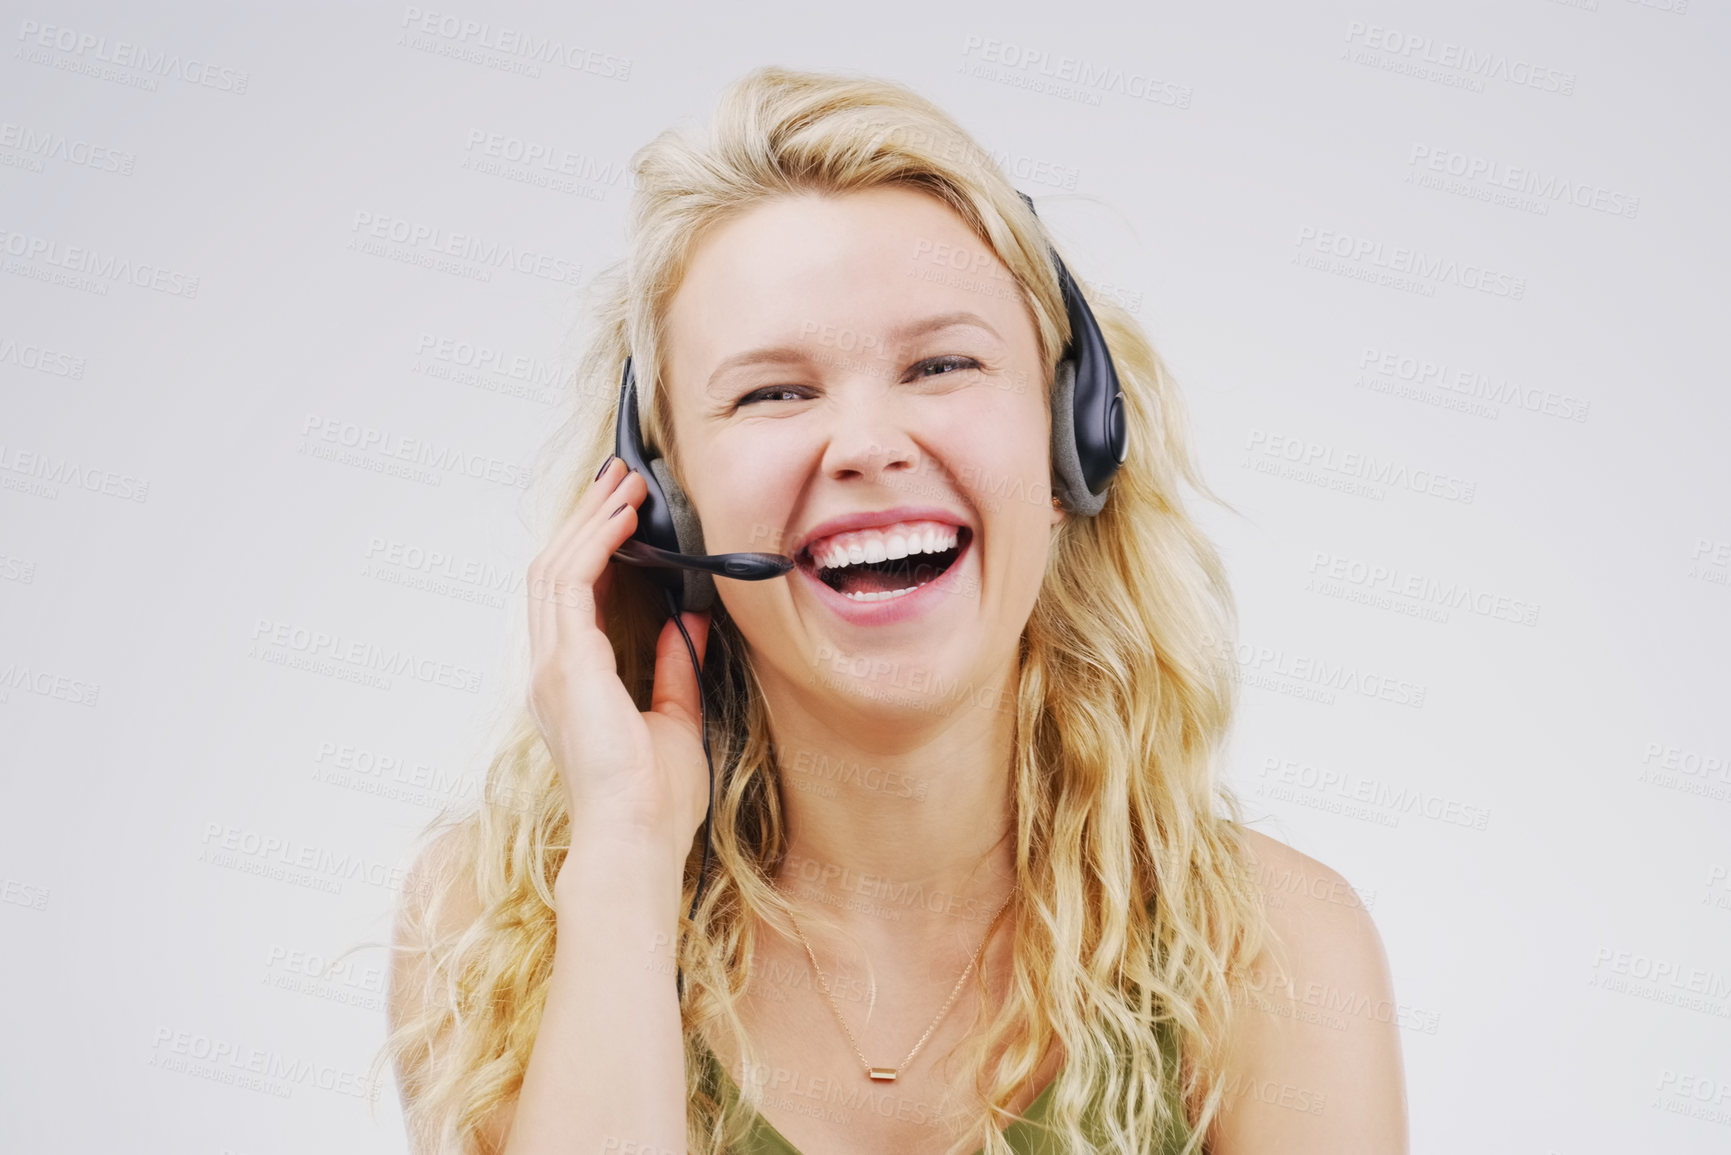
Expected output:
(899, 819)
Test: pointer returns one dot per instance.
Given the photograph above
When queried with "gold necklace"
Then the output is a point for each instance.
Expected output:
(888, 1074)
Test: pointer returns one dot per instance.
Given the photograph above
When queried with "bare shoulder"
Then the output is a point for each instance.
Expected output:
(1310, 904)
(439, 901)
(1314, 1060)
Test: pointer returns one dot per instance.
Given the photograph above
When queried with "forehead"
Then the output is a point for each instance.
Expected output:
(792, 267)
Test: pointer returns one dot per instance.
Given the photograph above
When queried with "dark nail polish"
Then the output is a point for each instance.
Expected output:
(617, 512)
(604, 466)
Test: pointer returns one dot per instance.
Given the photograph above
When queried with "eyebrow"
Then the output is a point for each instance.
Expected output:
(942, 321)
(793, 354)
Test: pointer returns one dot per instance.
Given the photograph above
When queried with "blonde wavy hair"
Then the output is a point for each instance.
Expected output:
(1139, 914)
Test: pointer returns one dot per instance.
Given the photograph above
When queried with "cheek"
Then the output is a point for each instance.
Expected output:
(1006, 450)
(753, 520)
(745, 509)
(1006, 473)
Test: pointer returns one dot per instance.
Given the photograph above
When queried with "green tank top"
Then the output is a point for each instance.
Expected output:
(1028, 1135)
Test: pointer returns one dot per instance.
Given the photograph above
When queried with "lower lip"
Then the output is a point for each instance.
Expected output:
(891, 610)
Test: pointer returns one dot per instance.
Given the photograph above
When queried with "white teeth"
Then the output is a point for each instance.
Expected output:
(881, 594)
(884, 544)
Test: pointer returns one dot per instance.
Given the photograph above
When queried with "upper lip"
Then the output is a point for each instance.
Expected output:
(876, 518)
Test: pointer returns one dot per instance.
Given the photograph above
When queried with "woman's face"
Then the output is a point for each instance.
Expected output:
(848, 375)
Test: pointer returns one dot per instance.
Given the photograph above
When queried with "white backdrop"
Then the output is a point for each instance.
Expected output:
(287, 299)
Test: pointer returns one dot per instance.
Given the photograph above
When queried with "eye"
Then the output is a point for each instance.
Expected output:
(943, 365)
(763, 394)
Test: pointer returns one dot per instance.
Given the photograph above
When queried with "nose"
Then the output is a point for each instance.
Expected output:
(869, 439)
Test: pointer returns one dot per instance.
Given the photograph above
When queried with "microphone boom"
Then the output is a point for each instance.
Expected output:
(751, 567)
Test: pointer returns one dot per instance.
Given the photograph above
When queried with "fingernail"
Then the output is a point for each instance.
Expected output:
(617, 512)
(604, 466)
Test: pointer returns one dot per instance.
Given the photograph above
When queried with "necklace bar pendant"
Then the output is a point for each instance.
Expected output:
(882, 1074)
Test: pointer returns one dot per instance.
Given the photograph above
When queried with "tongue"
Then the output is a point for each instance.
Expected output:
(865, 581)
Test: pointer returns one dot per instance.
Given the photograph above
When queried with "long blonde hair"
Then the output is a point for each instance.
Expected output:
(1139, 914)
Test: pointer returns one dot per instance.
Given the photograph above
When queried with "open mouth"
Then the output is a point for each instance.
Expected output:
(890, 578)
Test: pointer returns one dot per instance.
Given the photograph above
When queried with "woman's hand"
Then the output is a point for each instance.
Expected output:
(626, 774)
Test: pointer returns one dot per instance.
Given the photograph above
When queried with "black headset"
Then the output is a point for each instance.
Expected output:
(1089, 443)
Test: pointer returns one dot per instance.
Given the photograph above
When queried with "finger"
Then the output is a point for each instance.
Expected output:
(558, 579)
(602, 585)
(576, 564)
(676, 687)
(545, 566)
(573, 622)
(595, 494)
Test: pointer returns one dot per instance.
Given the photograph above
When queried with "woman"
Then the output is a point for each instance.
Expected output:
(976, 884)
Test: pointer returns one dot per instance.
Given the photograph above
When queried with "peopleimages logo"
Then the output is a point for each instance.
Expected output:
(1377, 578)
(1069, 76)
(1470, 382)
(415, 236)
(1257, 662)
(526, 46)
(1397, 800)
(550, 158)
(27, 355)
(1426, 159)
(90, 49)
(42, 144)
(435, 458)
(58, 471)
(1414, 51)
(93, 263)
(1362, 469)
(1668, 980)
(262, 1069)
(291, 860)
(531, 371)
(21, 676)
(1410, 262)
(320, 651)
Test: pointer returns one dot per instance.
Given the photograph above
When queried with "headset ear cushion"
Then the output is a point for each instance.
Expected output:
(1067, 479)
(699, 586)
